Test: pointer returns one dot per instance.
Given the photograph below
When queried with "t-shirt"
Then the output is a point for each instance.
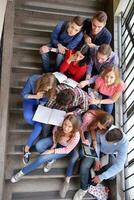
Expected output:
(108, 90)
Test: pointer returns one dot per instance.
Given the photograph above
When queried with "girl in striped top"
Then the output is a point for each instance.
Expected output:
(64, 140)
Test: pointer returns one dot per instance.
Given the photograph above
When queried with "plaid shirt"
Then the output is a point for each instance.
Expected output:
(78, 106)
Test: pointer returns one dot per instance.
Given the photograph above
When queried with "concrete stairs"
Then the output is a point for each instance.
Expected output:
(33, 24)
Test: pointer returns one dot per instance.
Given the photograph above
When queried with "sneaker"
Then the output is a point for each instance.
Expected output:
(64, 189)
(26, 157)
(79, 194)
(48, 166)
(17, 177)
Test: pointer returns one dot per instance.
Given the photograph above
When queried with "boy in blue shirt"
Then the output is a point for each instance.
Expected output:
(66, 35)
(114, 143)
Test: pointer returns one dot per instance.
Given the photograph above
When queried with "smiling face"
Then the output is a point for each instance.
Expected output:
(67, 126)
(73, 29)
(110, 78)
(96, 26)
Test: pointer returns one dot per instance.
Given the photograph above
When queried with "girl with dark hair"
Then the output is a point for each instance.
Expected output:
(75, 63)
(38, 89)
(64, 140)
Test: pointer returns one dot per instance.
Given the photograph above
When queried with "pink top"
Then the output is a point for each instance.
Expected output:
(108, 90)
(88, 117)
(69, 145)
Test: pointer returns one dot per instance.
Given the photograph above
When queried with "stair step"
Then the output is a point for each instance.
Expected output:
(93, 3)
(57, 9)
(47, 196)
(27, 69)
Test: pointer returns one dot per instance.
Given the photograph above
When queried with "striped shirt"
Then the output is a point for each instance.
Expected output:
(78, 106)
(69, 145)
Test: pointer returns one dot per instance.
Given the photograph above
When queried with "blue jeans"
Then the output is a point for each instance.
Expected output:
(41, 146)
(85, 176)
(46, 61)
(29, 107)
(74, 156)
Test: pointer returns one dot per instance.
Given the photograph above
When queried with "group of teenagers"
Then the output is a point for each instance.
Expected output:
(83, 53)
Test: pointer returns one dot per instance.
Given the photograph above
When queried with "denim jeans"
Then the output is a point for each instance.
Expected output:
(29, 107)
(46, 61)
(85, 175)
(41, 146)
(74, 156)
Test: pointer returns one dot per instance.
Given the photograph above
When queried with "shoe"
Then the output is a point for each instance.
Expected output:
(64, 189)
(48, 166)
(17, 177)
(79, 194)
(26, 157)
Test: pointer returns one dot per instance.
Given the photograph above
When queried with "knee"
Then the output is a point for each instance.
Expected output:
(28, 117)
(39, 147)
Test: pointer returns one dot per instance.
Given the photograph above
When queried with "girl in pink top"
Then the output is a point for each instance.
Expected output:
(110, 86)
(64, 140)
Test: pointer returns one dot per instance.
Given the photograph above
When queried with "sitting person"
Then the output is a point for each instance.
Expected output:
(75, 63)
(92, 120)
(38, 89)
(64, 140)
(95, 32)
(66, 35)
(100, 58)
(72, 100)
(110, 86)
(114, 143)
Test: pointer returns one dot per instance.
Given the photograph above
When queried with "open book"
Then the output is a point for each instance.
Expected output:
(49, 116)
(62, 78)
(89, 151)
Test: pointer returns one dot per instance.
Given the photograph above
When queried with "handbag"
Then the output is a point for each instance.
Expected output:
(99, 191)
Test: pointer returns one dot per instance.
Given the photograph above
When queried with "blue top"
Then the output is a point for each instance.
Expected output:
(29, 88)
(62, 37)
(120, 149)
(104, 36)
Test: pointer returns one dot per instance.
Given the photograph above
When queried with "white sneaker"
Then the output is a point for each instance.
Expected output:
(79, 194)
(64, 189)
(17, 177)
(48, 166)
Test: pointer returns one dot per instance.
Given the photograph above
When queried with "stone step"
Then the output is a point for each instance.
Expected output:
(57, 8)
(29, 41)
(47, 196)
(67, 3)
(42, 185)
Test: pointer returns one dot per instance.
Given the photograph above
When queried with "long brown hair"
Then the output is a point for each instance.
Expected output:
(104, 118)
(75, 124)
(46, 80)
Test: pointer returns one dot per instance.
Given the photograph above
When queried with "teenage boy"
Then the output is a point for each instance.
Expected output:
(95, 31)
(114, 143)
(100, 58)
(66, 35)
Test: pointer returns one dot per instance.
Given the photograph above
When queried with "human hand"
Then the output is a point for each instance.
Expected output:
(39, 95)
(86, 142)
(91, 45)
(44, 49)
(94, 144)
(49, 151)
(96, 180)
(97, 165)
(88, 39)
(61, 48)
(82, 84)
(93, 101)
(69, 113)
